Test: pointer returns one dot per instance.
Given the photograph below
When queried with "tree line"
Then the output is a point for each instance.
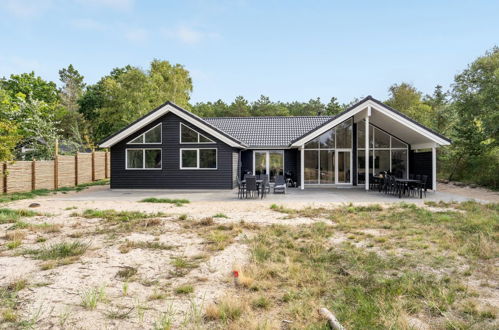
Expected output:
(34, 113)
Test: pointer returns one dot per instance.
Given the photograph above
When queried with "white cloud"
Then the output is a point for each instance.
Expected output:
(137, 35)
(124, 5)
(87, 24)
(188, 35)
(26, 8)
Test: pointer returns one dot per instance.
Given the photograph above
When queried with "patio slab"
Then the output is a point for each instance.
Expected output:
(322, 195)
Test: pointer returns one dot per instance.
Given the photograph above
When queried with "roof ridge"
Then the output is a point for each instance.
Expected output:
(266, 117)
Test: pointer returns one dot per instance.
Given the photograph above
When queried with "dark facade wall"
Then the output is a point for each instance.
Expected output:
(421, 163)
(171, 176)
(246, 162)
(291, 163)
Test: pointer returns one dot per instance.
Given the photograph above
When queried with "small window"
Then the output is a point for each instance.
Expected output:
(137, 159)
(198, 159)
(152, 136)
(188, 135)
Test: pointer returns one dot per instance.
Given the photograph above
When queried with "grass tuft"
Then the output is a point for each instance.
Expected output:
(177, 202)
(184, 289)
(11, 216)
(59, 250)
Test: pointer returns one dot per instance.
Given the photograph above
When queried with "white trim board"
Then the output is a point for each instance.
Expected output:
(160, 112)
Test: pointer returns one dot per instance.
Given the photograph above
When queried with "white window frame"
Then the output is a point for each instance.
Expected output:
(199, 134)
(181, 165)
(144, 159)
(144, 136)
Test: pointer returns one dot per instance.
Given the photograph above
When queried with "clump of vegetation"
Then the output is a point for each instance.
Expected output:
(184, 289)
(220, 215)
(177, 202)
(59, 250)
(11, 216)
(91, 297)
(118, 216)
(227, 310)
(128, 245)
(127, 272)
(9, 300)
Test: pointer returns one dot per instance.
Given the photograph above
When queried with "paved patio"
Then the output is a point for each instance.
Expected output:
(333, 195)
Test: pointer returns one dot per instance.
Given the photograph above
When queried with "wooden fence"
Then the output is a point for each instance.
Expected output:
(63, 171)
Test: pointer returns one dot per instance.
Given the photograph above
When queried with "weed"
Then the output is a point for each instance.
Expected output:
(59, 250)
(220, 215)
(11, 216)
(126, 273)
(177, 202)
(91, 297)
(128, 245)
(13, 244)
(118, 216)
(183, 217)
(119, 313)
(125, 289)
(184, 289)
(208, 221)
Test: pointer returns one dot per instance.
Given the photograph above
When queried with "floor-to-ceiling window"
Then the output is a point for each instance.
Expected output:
(270, 162)
(386, 153)
(328, 158)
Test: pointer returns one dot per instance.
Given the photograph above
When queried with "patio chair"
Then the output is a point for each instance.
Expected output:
(263, 186)
(251, 187)
(241, 193)
(424, 184)
(280, 184)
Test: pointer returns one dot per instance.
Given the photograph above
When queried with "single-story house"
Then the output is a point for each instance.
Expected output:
(172, 148)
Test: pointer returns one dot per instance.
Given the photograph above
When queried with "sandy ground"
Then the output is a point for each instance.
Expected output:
(53, 298)
(477, 193)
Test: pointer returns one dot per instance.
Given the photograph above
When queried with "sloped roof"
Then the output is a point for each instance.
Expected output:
(267, 131)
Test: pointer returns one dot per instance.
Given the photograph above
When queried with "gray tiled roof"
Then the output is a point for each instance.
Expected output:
(267, 131)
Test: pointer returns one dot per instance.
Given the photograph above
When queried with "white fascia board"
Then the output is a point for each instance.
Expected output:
(330, 125)
(167, 108)
(372, 105)
(426, 133)
(205, 128)
(424, 145)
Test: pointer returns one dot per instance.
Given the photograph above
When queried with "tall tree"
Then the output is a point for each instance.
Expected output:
(407, 99)
(334, 107)
(129, 93)
(265, 107)
(72, 122)
(239, 108)
(33, 87)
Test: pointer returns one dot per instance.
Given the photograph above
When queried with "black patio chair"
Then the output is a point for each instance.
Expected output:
(266, 185)
(251, 187)
(241, 193)
(263, 186)
(280, 185)
(424, 184)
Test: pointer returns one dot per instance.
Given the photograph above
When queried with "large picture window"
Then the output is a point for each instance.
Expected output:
(390, 154)
(152, 136)
(188, 135)
(143, 159)
(198, 159)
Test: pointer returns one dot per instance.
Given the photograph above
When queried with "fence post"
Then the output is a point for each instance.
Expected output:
(56, 165)
(93, 165)
(33, 174)
(105, 164)
(76, 168)
(4, 177)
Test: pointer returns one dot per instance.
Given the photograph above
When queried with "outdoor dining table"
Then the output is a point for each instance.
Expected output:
(406, 182)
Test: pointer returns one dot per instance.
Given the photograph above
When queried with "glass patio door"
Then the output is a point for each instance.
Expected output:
(343, 166)
(269, 162)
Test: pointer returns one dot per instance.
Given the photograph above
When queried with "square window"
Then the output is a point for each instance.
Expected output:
(135, 158)
(153, 158)
(207, 158)
(189, 159)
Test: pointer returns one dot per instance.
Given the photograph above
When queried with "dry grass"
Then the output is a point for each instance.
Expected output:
(395, 265)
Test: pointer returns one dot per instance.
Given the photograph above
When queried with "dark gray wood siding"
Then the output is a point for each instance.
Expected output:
(421, 163)
(171, 176)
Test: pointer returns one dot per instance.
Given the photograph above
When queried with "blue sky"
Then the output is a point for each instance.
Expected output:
(287, 50)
